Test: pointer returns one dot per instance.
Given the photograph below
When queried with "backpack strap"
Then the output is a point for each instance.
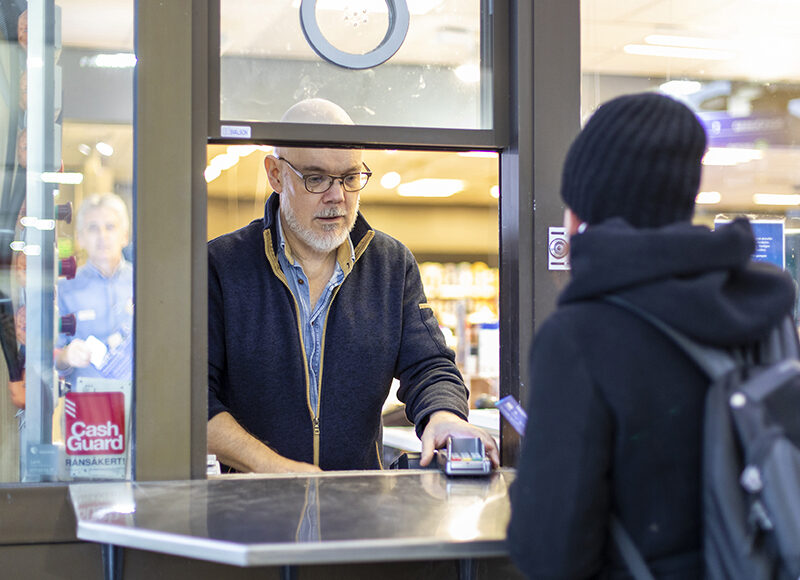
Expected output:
(713, 361)
(630, 553)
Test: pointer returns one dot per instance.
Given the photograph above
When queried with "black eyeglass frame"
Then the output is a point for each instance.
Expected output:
(333, 178)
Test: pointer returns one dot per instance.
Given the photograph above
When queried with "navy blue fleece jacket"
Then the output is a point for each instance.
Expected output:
(379, 327)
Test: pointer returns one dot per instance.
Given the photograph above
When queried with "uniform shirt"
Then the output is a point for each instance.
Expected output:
(103, 308)
(312, 316)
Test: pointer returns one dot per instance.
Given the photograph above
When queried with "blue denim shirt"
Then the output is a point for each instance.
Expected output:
(103, 308)
(312, 317)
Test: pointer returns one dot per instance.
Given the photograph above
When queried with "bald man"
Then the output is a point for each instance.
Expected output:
(312, 313)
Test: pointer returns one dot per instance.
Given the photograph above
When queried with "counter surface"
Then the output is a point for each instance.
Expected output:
(310, 519)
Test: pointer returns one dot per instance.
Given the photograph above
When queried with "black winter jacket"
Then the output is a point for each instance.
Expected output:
(379, 326)
(615, 408)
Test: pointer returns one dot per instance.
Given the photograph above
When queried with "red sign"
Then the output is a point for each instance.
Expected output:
(95, 423)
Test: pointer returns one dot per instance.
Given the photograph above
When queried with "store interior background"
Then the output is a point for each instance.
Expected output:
(736, 58)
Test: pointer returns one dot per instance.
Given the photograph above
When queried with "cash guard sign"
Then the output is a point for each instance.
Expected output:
(95, 423)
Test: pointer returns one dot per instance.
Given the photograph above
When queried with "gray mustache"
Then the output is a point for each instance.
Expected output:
(329, 213)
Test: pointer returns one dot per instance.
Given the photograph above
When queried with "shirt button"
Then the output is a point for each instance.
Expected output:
(300, 281)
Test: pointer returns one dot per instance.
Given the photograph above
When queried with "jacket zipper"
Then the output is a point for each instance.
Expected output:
(358, 251)
(273, 260)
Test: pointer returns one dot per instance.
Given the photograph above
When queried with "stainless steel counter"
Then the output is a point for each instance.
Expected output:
(288, 520)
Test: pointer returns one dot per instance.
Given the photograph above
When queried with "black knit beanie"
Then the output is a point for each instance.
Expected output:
(638, 158)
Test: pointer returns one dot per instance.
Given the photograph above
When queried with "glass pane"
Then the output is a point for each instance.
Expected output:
(440, 75)
(444, 207)
(65, 257)
(733, 63)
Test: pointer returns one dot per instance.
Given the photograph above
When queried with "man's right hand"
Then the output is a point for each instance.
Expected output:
(234, 446)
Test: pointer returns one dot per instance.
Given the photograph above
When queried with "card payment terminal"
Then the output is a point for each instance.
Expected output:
(464, 456)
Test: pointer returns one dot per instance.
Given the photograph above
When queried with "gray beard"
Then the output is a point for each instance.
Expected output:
(321, 242)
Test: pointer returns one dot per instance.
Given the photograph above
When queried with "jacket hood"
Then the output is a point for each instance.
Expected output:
(701, 282)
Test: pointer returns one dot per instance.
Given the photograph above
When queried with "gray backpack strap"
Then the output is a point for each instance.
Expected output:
(781, 344)
(630, 553)
(714, 362)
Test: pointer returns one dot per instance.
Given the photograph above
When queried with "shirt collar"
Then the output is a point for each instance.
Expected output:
(96, 271)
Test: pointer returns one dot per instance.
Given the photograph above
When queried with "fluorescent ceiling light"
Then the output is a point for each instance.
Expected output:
(468, 73)
(39, 224)
(211, 173)
(391, 180)
(430, 187)
(728, 156)
(495, 191)
(478, 154)
(680, 88)
(68, 178)
(241, 150)
(776, 199)
(688, 42)
(224, 161)
(84, 149)
(678, 52)
(118, 60)
(104, 149)
(708, 197)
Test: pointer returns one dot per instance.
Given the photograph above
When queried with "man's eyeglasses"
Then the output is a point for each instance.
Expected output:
(321, 182)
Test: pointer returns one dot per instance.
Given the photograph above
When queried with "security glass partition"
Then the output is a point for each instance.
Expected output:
(67, 276)
(732, 63)
(403, 63)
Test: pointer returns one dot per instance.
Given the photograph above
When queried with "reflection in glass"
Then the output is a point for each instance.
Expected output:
(66, 127)
(268, 64)
(731, 62)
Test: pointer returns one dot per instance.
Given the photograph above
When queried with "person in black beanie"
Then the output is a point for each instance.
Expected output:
(615, 409)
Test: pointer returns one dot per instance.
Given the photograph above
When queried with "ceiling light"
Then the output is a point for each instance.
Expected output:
(728, 156)
(118, 60)
(211, 173)
(241, 150)
(495, 191)
(104, 149)
(224, 161)
(680, 88)
(688, 42)
(68, 178)
(84, 149)
(391, 180)
(708, 197)
(478, 154)
(794, 107)
(776, 199)
(468, 73)
(678, 52)
(430, 187)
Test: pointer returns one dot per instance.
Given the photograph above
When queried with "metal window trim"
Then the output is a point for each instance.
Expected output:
(378, 135)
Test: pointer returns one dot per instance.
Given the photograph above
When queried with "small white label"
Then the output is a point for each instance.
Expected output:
(557, 249)
(98, 350)
(84, 315)
(236, 131)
